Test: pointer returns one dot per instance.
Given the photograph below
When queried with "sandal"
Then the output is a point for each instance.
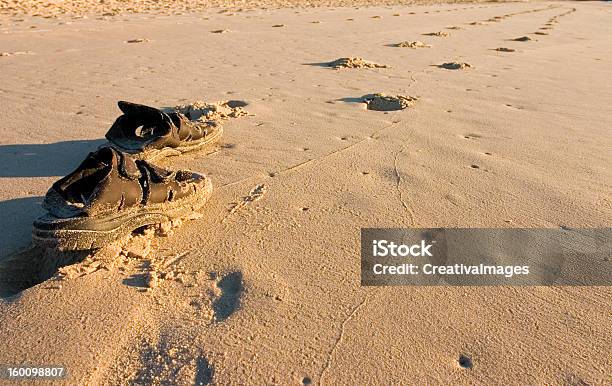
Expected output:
(111, 194)
(149, 133)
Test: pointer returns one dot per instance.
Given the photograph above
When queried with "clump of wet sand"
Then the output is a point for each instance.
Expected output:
(15, 53)
(137, 40)
(132, 255)
(413, 44)
(455, 65)
(353, 62)
(441, 34)
(212, 112)
(382, 102)
(37, 264)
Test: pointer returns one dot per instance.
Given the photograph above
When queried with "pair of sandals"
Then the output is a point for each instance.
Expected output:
(117, 189)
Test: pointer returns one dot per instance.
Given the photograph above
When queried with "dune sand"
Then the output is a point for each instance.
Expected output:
(263, 288)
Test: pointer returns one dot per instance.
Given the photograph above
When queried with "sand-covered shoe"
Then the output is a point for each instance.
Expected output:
(111, 194)
(149, 133)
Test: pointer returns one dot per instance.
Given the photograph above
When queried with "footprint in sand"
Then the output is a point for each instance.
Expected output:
(278, 25)
(353, 63)
(219, 31)
(541, 33)
(382, 102)
(255, 194)
(204, 371)
(455, 27)
(465, 362)
(230, 287)
(413, 44)
(523, 39)
(441, 34)
(455, 65)
(171, 362)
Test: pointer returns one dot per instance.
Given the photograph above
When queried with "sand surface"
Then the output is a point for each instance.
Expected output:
(56, 8)
(264, 287)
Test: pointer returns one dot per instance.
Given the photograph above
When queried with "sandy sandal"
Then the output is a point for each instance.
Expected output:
(111, 194)
(149, 133)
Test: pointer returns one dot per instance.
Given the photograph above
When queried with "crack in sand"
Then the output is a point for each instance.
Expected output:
(337, 151)
(399, 189)
(339, 339)
(373, 135)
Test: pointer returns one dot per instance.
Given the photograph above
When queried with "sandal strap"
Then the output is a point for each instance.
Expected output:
(153, 177)
(106, 180)
(159, 127)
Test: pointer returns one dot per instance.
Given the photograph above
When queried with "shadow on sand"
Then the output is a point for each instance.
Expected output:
(46, 159)
(16, 220)
(361, 99)
(33, 266)
(23, 265)
(321, 64)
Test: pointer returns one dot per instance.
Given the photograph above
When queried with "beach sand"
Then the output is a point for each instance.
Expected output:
(264, 287)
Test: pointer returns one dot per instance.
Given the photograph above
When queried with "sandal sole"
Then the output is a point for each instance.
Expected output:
(84, 233)
(206, 143)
